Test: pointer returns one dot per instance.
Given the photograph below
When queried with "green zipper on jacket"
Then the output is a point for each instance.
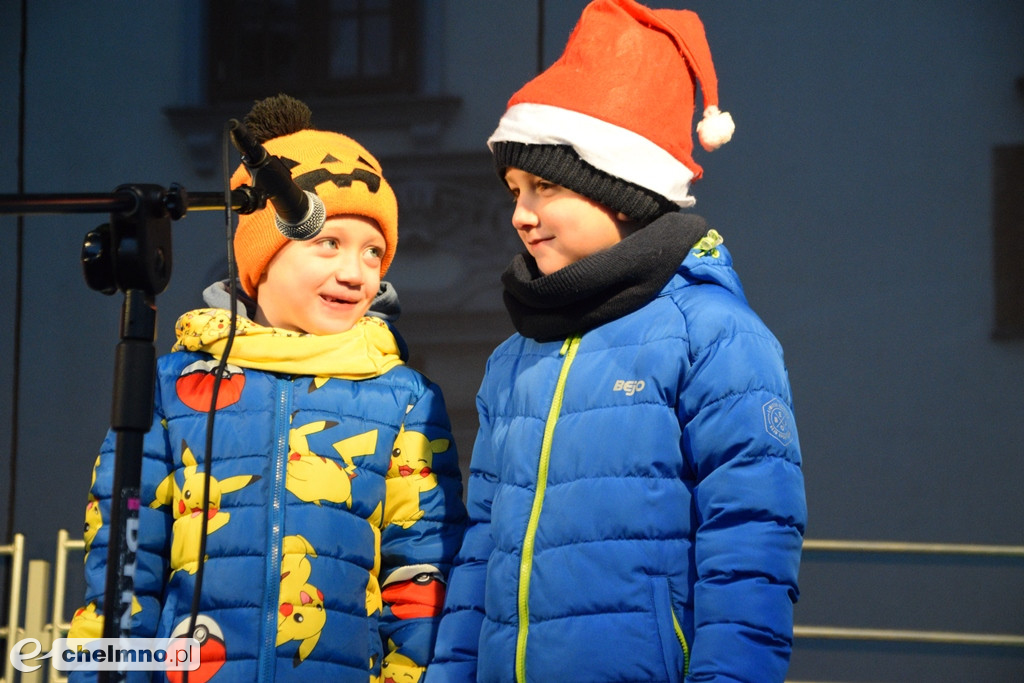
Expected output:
(682, 641)
(275, 525)
(568, 352)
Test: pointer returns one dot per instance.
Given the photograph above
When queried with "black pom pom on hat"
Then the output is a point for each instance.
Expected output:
(279, 115)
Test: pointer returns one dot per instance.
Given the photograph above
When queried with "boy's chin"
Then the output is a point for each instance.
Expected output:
(547, 266)
(335, 318)
(332, 326)
(546, 262)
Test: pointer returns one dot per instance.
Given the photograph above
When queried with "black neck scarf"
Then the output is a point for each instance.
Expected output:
(601, 287)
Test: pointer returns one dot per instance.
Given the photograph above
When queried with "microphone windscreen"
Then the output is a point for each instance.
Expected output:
(310, 225)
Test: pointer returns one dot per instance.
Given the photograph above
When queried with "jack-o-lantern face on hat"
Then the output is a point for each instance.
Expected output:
(345, 176)
(310, 180)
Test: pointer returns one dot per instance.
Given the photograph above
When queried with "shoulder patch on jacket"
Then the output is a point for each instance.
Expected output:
(778, 421)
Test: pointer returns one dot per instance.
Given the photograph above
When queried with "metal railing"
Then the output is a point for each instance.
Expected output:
(40, 624)
(10, 632)
(908, 635)
(59, 625)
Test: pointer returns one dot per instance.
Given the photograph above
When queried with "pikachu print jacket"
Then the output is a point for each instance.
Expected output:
(635, 496)
(334, 507)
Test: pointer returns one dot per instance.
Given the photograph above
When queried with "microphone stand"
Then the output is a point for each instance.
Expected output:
(131, 253)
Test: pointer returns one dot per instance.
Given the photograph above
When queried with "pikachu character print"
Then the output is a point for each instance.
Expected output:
(301, 614)
(187, 504)
(93, 515)
(197, 328)
(87, 622)
(314, 478)
(398, 668)
(410, 474)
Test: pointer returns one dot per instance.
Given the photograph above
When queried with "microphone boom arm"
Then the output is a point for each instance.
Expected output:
(131, 253)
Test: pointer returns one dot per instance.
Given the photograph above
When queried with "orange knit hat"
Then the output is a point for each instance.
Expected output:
(346, 177)
(620, 100)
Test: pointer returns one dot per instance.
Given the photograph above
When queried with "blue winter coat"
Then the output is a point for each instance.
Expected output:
(335, 506)
(636, 500)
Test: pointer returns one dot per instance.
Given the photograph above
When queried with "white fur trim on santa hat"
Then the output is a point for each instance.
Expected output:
(615, 150)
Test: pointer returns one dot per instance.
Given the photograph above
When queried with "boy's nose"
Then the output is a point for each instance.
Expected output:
(347, 271)
(523, 218)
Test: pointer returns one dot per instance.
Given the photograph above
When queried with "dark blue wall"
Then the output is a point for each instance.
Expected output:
(856, 197)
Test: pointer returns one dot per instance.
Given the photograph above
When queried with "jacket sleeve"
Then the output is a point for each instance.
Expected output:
(152, 556)
(455, 656)
(424, 519)
(740, 437)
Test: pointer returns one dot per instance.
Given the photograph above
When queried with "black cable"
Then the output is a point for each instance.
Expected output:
(218, 377)
(12, 463)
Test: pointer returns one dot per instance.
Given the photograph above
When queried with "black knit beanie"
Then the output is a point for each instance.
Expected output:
(560, 164)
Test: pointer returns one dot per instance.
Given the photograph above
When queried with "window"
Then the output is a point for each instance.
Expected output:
(310, 48)
(1008, 241)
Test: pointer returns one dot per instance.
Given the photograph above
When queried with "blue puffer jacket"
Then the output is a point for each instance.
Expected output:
(636, 500)
(335, 506)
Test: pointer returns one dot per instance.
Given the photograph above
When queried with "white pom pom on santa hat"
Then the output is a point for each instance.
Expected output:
(715, 129)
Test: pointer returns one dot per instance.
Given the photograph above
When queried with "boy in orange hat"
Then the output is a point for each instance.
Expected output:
(334, 505)
(636, 499)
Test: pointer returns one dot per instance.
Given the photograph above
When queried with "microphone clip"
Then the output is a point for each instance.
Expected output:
(299, 214)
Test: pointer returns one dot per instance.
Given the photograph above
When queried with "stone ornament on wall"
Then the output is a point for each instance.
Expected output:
(455, 240)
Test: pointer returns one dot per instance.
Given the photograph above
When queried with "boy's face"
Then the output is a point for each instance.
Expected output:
(559, 226)
(325, 284)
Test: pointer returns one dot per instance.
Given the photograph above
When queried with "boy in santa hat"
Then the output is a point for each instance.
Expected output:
(636, 498)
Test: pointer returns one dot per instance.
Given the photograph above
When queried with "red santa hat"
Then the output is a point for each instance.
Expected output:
(611, 118)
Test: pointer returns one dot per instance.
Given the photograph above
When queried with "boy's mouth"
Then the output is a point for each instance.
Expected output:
(327, 298)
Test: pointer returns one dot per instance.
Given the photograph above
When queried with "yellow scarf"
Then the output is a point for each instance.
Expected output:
(367, 350)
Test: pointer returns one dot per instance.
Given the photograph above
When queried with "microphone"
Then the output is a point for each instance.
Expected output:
(298, 214)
